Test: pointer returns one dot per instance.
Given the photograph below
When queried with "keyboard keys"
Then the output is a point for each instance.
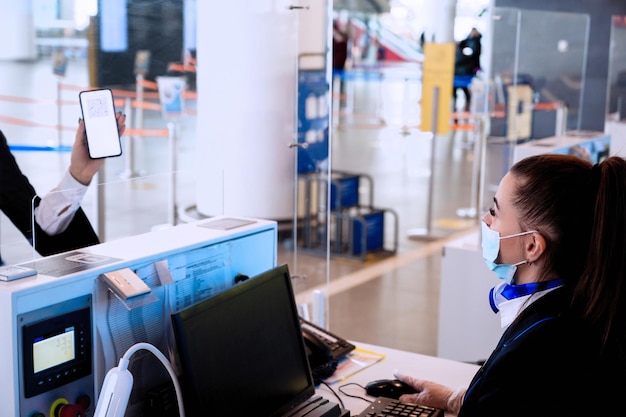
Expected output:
(388, 407)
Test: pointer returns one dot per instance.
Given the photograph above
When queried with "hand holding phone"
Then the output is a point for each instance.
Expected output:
(103, 139)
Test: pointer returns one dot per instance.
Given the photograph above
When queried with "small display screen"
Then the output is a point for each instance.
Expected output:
(51, 351)
(56, 349)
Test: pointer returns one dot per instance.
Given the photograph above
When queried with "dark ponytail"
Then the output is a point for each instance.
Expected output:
(600, 293)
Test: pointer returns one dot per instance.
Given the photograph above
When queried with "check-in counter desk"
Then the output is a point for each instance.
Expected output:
(592, 146)
(444, 371)
(63, 328)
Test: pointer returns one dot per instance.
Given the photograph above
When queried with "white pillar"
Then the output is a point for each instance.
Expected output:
(246, 80)
(442, 13)
(18, 30)
(247, 102)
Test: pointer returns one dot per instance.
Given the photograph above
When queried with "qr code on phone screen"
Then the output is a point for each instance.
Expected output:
(97, 107)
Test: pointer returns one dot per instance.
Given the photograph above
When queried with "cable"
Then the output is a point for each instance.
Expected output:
(147, 346)
(350, 395)
(114, 398)
(334, 393)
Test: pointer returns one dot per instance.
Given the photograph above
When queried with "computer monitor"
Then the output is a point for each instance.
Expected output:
(242, 351)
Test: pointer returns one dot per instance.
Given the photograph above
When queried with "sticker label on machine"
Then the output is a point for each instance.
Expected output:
(197, 275)
(69, 263)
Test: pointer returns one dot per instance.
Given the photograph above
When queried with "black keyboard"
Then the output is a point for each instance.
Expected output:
(388, 407)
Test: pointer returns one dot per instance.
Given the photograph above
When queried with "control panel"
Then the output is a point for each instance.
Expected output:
(55, 343)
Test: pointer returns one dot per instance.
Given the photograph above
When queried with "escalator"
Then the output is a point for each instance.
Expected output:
(391, 46)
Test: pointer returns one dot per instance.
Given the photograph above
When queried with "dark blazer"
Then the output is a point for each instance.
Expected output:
(16, 199)
(548, 364)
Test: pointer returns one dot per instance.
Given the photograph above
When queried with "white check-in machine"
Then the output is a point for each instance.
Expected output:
(63, 328)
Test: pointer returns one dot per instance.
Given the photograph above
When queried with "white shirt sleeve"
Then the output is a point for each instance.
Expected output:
(57, 208)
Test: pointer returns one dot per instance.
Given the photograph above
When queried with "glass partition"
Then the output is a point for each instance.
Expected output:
(228, 144)
(240, 133)
(616, 94)
(553, 69)
(117, 203)
(615, 124)
(537, 78)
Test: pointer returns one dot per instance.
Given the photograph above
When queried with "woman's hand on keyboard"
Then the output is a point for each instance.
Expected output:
(432, 394)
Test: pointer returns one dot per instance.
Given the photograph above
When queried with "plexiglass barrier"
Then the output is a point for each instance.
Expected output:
(544, 52)
(616, 97)
(615, 124)
(536, 83)
(231, 149)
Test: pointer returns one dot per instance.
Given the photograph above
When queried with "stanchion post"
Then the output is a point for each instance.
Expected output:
(129, 171)
(425, 233)
(482, 177)
(406, 105)
(59, 117)
(431, 179)
(139, 93)
(100, 201)
(172, 140)
(477, 168)
(379, 102)
(349, 84)
(139, 113)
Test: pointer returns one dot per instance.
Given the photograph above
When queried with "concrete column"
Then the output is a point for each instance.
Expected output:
(18, 30)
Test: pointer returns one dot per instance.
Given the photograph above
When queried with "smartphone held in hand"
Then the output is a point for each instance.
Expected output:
(103, 139)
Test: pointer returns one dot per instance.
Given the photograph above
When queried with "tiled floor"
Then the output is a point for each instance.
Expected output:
(391, 301)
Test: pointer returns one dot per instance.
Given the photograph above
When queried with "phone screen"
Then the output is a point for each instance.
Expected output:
(103, 139)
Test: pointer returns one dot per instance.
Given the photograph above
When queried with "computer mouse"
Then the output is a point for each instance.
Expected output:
(390, 388)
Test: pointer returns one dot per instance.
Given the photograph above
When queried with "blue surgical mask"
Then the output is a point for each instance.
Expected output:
(491, 247)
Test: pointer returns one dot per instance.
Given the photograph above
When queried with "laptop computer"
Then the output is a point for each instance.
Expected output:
(242, 353)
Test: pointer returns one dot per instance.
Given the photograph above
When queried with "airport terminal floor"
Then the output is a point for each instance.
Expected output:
(391, 301)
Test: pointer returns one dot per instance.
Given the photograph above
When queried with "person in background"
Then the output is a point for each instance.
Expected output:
(340, 48)
(466, 65)
(556, 237)
(60, 224)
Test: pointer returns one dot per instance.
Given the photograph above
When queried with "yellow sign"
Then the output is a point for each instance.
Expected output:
(438, 75)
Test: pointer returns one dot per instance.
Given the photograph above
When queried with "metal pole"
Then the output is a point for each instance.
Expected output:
(139, 116)
(99, 206)
(431, 180)
(405, 106)
(129, 172)
(425, 233)
(472, 210)
(482, 138)
(379, 103)
(172, 140)
(59, 121)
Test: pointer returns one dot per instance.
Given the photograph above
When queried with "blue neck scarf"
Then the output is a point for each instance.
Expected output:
(512, 291)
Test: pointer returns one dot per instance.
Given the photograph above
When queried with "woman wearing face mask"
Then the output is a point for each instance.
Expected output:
(556, 236)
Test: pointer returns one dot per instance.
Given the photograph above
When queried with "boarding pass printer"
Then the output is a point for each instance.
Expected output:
(65, 327)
